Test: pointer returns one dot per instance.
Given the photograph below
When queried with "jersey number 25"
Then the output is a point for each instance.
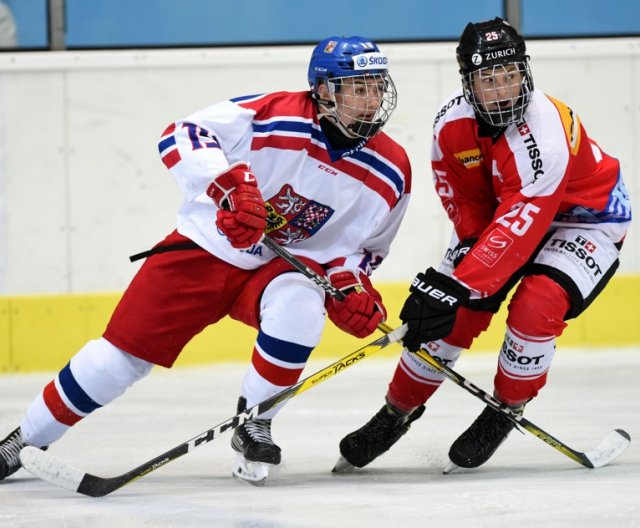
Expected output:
(520, 218)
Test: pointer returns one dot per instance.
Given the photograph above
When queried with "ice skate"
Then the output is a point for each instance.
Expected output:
(374, 438)
(10, 449)
(479, 442)
(256, 451)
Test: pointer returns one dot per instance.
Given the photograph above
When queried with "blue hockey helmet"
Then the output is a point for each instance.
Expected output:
(340, 61)
(334, 57)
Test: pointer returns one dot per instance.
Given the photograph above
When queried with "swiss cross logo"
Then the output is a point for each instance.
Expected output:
(586, 244)
(524, 129)
(433, 346)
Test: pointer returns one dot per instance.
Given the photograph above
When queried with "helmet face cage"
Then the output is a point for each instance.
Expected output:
(360, 95)
(362, 104)
(499, 94)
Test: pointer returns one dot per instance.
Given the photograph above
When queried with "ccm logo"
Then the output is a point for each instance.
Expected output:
(249, 177)
(434, 292)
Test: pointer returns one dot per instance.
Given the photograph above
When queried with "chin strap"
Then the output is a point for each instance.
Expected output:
(336, 127)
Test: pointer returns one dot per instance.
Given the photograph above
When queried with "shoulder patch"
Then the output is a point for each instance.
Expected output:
(571, 124)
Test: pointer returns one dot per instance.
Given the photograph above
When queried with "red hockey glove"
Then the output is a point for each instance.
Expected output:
(362, 310)
(242, 216)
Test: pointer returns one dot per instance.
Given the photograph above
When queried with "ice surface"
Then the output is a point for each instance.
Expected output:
(526, 483)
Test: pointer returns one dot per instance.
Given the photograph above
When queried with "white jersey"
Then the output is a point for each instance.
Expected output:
(338, 208)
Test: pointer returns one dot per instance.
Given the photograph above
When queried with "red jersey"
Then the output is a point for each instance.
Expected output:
(508, 187)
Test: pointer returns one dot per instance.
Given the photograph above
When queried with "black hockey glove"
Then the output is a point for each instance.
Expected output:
(462, 250)
(430, 310)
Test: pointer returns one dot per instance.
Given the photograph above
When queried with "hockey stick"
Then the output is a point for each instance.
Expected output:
(310, 274)
(45, 466)
(302, 268)
(610, 448)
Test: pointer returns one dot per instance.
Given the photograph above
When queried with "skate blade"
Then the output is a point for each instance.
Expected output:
(450, 468)
(342, 466)
(254, 473)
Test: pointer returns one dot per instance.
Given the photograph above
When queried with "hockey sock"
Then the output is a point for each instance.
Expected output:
(292, 317)
(536, 318)
(414, 380)
(95, 376)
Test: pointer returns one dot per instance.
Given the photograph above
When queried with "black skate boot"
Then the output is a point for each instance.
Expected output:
(375, 437)
(255, 447)
(10, 449)
(479, 442)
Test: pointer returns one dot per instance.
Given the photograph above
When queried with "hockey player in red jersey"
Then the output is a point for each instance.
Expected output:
(311, 169)
(534, 202)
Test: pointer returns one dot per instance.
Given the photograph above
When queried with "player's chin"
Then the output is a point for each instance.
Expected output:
(497, 107)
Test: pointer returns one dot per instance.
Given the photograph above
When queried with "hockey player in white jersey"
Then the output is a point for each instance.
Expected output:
(311, 169)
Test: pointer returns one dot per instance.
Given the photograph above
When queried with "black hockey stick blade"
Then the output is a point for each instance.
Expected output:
(610, 448)
(47, 467)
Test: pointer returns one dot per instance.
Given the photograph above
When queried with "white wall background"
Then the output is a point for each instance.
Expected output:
(82, 186)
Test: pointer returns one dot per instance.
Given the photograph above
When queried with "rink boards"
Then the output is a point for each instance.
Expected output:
(41, 332)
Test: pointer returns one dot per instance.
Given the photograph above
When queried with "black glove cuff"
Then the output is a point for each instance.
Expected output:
(462, 250)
